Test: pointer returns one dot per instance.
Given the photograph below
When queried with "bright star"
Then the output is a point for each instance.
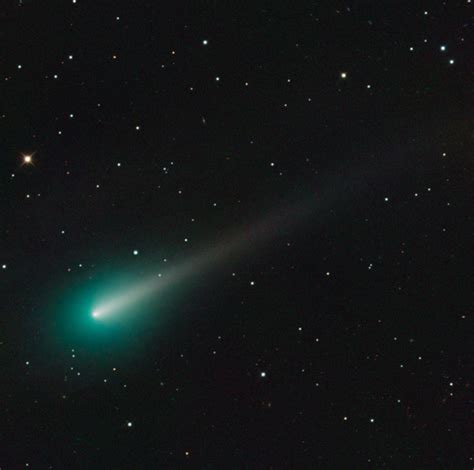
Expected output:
(27, 159)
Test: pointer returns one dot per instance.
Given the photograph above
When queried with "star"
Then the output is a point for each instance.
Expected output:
(28, 159)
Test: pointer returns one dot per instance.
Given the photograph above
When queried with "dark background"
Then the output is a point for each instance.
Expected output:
(367, 367)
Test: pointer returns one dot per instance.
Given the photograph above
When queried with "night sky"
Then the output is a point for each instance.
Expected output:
(295, 179)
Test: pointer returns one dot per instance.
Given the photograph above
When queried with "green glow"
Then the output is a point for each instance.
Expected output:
(75, 323)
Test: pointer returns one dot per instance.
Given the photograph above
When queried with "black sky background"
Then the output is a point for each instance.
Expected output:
(189, 376)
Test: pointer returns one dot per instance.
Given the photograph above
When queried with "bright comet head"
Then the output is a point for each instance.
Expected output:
(95, 314)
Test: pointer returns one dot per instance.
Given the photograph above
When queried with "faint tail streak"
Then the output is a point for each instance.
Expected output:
(286, 217)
